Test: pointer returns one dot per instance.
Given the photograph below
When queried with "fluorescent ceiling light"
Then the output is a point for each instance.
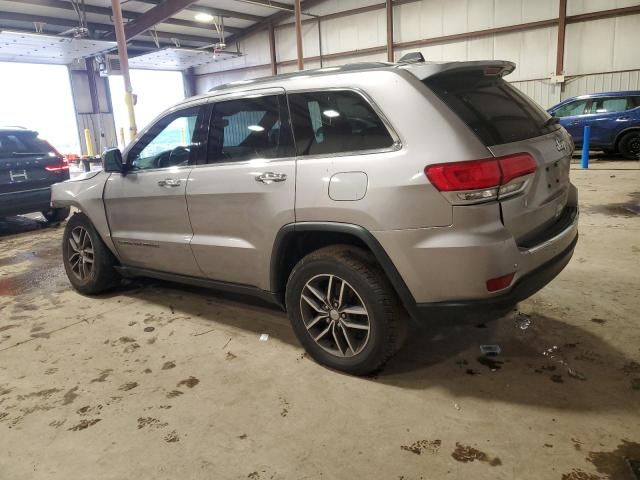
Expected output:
(203, 17)
(331, 113)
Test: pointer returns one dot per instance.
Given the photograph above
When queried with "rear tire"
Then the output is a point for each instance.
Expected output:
(56, 215)
(360, 325)
(88, 262)
(630, 145)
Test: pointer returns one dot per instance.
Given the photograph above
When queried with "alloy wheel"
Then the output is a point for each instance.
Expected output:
(334, 315)
(81, 255)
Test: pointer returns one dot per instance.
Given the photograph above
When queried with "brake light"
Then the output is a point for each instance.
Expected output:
(499, 283)
(57, 168)
(481, 180)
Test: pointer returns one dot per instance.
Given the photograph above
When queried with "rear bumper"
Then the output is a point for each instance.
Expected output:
(445, 270)
(18, 203)
(486, 308)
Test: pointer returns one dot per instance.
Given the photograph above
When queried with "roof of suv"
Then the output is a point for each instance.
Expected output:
(619, 93)
(421, 70)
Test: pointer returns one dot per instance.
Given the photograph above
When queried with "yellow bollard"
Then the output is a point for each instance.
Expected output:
(133, 129)
(123, 142)
(89, 142)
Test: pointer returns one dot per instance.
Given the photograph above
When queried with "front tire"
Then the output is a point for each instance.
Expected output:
(630, 145)
(343, 309)
(88, 262)
(56, 215)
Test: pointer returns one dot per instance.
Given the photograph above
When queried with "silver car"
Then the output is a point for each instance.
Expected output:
(353, 197)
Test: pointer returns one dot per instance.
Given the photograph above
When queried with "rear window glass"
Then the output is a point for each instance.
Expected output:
(19, 143)
(336, 122)
(495, 110)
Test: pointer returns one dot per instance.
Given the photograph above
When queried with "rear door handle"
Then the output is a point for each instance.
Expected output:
(169, 182)
(270, 177)
(622, 119)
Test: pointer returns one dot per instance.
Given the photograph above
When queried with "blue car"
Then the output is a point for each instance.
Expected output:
(614, 118)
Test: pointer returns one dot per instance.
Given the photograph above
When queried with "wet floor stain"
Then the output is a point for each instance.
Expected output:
(128, 386)
(168, 365)
(103, 376)
(616, 464)
(431, 446)
(466, 453)
(70, 396)
(150, 422)
(174, 393)
(189, 382)
(84, 424)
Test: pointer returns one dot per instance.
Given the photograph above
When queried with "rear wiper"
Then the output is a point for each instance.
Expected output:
(551, 121)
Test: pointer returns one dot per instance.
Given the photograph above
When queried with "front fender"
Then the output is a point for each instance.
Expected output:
(86, 194)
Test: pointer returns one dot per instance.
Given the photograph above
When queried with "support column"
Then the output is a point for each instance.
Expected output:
(298, 15)
(562, 25)
(272, 50)
(124, 66)
(389, 6)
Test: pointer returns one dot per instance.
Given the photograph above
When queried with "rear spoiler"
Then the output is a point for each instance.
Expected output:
(497, 68)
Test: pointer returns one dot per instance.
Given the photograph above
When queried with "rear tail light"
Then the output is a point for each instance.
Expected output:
(481, 180)
(57, 168)
(499, 283)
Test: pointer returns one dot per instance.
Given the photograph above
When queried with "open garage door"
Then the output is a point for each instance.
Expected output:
(38, 97)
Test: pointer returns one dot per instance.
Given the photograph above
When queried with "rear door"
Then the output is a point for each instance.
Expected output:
(244, 191)
(508, 122)
(28, 162)
(608, 117)
(146, 208)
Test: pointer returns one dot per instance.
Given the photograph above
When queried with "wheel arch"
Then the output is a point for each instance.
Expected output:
(296, 240)
(621, 134)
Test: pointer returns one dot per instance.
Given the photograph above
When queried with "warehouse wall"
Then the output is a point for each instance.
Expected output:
(597, 52)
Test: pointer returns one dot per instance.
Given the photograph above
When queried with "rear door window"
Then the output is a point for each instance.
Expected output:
(332, 122)
(250, 128)
(495, 110)
(571, 109)
(610, 104)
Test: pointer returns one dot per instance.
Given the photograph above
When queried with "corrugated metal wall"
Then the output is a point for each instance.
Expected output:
(592, 47)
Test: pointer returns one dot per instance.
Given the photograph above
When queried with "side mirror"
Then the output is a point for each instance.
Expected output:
(112, 160)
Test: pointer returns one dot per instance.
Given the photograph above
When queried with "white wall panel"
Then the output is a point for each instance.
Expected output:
(604, 82)
(576, 7)
(608, 44)
(544, 92)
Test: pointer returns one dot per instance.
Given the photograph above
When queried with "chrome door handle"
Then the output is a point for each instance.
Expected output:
(622, 119)
(270, 177)
(169, 182)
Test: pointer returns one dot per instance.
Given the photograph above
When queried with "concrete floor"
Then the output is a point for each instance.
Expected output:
(161, 381)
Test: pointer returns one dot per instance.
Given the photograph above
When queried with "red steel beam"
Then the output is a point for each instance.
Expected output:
(562, 27)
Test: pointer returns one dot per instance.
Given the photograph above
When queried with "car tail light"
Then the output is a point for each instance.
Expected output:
(499, 283)
(481, 180)
(57, 168)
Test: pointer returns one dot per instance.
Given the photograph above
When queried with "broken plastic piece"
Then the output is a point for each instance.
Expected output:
(490, 350)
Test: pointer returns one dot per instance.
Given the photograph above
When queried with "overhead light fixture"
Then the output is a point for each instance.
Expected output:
(203, 17)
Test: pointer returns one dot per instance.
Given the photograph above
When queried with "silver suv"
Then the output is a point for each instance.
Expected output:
(350, 196)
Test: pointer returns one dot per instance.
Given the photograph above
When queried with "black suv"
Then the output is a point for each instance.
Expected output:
(28, 168)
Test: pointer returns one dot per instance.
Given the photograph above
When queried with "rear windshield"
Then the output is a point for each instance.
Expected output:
(15, 144)
(496, 111)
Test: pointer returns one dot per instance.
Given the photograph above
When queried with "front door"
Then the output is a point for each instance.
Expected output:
(146, 207)
(572, 117)
(245, 191)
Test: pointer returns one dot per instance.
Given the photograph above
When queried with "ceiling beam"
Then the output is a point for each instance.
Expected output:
(153, 16)
(216, 12)
(270, 4)
(101, 27)
(272, 19)
(66, 5)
